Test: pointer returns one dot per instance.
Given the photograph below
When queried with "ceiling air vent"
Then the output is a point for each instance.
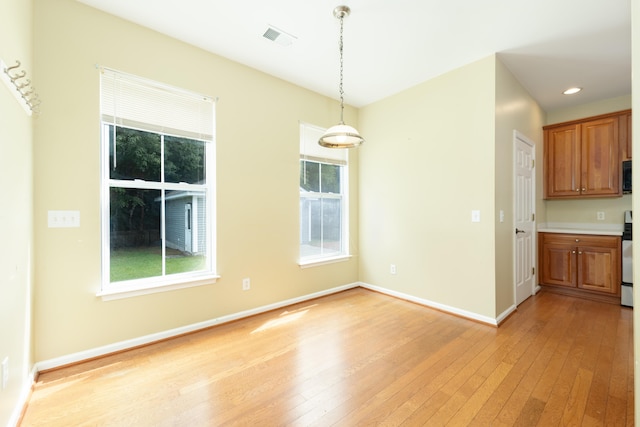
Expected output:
(276, 35)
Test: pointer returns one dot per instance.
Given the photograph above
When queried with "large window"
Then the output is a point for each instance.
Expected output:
(323, 199)
(158, 186)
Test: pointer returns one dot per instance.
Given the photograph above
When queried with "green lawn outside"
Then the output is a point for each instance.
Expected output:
(137, 263)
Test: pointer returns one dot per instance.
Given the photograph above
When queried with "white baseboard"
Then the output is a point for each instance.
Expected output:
(506, 313)
(432, 304)
(23, 399)
(147, 339)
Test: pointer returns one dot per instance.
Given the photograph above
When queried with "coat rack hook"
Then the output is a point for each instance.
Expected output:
(13, 67)
(17, 76)
(21, 89)
(23, 85)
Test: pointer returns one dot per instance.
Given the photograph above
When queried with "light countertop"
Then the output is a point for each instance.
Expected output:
(581, 228)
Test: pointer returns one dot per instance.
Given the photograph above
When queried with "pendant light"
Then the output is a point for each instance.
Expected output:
(341, 135)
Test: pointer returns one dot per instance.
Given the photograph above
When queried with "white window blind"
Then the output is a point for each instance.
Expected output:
(138, 103)
(311, 150)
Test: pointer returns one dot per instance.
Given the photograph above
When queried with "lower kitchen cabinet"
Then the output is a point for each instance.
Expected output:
(581, 265)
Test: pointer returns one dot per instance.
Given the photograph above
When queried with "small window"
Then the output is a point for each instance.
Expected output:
(157, 186)
(323, 199)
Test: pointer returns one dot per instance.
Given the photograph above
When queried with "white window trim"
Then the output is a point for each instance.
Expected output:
(132, 288)
(335, 157)
(324, 261)
(149, 285)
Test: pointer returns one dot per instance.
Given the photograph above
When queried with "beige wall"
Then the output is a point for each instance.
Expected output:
(257, 181)
(587, 110)
(428, 162)
(15, 217)
(515, 110)
(584, 210)
(433, 153)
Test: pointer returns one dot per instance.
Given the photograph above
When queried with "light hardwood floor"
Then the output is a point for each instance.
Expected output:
(359, 358)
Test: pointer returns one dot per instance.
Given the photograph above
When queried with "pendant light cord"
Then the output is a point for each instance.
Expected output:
(341, 135)
(341, 70)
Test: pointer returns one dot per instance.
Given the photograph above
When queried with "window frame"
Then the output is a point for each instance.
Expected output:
(164, 282)
(311, 151)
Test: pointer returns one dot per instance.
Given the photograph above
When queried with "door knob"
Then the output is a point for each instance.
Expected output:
(519, 231)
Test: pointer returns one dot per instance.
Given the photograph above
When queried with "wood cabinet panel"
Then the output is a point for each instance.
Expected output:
(600, 162)
(625, 136)
(558, 265)
(562, 161)
(584, 263)
(582, 158)
(596, 269)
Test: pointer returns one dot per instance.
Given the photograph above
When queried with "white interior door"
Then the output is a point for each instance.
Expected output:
(524, 217)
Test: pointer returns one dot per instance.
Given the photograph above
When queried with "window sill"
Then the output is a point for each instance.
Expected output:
(133, 289)
(323, 261)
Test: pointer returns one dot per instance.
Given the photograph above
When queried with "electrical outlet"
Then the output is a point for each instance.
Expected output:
(246, 284)
(392, 269)
(475, 216)
(600, 216)
(5, 372)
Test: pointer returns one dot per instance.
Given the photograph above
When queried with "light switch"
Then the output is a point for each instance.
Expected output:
(475, 216)
(501, 215)
(63, 219)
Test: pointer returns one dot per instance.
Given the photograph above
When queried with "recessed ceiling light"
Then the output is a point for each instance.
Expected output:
(572, 90)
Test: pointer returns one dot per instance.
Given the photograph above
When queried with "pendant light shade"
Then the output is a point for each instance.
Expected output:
(341, 135)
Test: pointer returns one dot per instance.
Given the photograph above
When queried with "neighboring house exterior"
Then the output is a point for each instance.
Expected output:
(185, 222)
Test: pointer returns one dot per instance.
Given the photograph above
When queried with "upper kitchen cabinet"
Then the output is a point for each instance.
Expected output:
(582, 158)
(625, 135)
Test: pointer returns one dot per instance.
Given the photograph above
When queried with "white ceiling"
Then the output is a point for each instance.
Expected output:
(389, 46)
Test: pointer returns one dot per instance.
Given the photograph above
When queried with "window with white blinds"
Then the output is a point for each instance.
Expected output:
(324, 195)
(158, 185)
(139, 103)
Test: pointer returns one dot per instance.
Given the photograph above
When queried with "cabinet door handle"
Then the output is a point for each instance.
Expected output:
(577, 240)
(578, 190)
(579, 252)
(584, 190)
(573, 252)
